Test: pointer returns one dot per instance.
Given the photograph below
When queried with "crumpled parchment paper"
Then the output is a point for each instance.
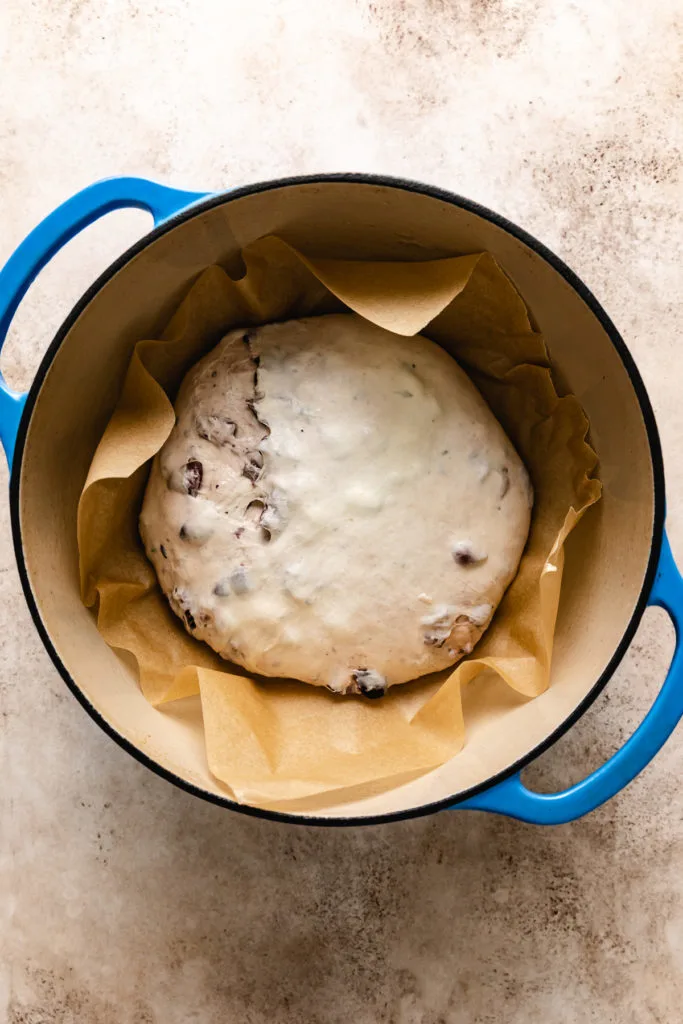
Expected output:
(271, 742)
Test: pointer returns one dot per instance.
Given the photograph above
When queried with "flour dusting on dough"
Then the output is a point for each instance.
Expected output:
(336, 504)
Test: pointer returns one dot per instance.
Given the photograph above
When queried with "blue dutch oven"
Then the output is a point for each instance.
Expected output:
(617, 561)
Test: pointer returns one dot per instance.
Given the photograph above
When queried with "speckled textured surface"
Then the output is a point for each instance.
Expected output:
(125, 900)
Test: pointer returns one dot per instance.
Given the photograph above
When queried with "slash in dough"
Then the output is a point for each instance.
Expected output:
(335, 504)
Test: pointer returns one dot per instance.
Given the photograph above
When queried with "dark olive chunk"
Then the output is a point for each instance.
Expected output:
(370, 683)
(194, 472)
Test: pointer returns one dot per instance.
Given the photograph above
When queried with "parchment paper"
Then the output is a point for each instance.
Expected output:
(273, 742)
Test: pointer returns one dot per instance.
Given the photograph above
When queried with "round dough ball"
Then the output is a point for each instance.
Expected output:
(336, 504)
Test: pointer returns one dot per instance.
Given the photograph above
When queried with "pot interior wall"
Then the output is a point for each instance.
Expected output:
(607, 556)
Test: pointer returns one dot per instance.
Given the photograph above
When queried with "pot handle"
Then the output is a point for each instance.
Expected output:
(48, 238)
(512, 798)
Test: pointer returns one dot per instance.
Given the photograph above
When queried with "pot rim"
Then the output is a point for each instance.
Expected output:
(584, 293)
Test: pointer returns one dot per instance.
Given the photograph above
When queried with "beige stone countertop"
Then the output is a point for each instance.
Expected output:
(126, 901)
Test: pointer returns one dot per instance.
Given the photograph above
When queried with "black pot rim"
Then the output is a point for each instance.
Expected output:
(585, 294)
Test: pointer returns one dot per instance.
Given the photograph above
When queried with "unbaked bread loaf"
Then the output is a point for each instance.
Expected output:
(336, 504)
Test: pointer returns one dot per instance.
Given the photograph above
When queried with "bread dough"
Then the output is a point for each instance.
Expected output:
(336, 504)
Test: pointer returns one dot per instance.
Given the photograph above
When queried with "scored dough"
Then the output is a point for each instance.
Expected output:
(335, 504)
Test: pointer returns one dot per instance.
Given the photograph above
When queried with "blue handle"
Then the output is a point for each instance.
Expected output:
(51, 234)
(511, 797)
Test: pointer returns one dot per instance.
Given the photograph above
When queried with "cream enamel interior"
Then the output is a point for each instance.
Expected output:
(607, 555)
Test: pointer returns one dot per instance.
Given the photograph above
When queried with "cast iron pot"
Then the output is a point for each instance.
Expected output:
(617, 562)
